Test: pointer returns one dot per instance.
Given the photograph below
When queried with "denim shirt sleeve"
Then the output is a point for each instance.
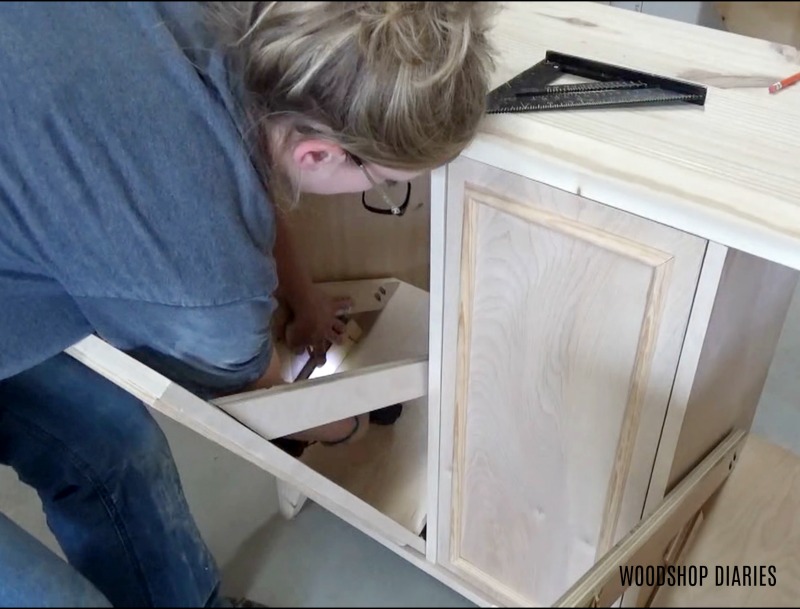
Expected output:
(210, 350)
(128, 188)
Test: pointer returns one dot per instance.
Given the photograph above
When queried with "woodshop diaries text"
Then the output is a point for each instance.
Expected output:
(694, 575)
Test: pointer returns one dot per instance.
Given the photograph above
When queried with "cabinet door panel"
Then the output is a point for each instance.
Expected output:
(562, 329)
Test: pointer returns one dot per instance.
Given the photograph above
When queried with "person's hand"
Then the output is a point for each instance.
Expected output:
(316, 322)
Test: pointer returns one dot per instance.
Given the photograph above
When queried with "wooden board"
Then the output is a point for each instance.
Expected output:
(386, 469)
(651, 543)
(735, 354)
(294, 407)
(397, 332)
(726, 171)
(751, 522)
(564, 321)
(388, 364)
(211, 422)
(366, 295)
(340, 240)
(774, 21)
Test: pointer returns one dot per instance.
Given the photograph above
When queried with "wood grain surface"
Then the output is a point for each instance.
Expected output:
(727, 171)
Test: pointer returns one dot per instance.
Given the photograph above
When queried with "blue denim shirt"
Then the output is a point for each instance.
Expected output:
(129, 203)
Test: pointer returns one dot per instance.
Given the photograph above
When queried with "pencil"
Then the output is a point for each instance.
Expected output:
(782, 84)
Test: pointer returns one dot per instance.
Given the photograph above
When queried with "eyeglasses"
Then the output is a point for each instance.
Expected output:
(393, 209)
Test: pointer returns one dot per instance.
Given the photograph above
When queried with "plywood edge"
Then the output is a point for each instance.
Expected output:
(438, 186)
(135, 378)
(699, 318)
(295, 407)
(529, 160)
(452, 215)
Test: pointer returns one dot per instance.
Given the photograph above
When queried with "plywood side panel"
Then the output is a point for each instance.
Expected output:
(749, 312)
(340, 240)
(737, 318)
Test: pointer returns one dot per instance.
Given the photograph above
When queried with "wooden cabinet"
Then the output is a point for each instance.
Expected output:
(564, 321)
(578, 315)
(564, 378)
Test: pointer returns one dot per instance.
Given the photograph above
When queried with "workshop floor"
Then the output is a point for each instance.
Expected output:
(317, 560)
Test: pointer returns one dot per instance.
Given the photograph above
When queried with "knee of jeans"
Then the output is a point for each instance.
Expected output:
(138, 444)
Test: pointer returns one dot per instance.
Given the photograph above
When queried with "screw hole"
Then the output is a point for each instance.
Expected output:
(382, 290)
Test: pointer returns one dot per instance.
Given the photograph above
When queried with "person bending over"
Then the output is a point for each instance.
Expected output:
(148, 153)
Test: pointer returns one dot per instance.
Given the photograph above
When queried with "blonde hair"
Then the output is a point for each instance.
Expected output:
(399, 84)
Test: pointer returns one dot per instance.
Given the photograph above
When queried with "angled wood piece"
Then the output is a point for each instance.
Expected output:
(284, 410)
(213, 423)
(750, 536)
(646, 544)
(291, 500)
(387, 365)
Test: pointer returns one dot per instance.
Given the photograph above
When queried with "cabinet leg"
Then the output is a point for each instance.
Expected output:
(290, 500)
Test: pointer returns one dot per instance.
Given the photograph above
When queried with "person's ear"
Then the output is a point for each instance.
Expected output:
(315, 154)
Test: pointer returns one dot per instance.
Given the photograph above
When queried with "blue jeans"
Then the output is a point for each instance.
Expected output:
(110, 492)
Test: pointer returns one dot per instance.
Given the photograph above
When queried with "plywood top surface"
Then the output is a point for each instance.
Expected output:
(728, 171)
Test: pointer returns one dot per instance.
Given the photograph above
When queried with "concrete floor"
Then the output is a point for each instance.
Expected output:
(317, 560)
